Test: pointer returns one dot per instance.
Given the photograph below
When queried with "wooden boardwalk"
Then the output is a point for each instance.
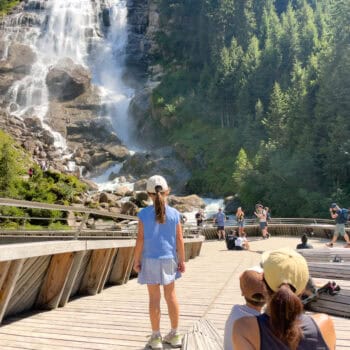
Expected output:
(118, 317)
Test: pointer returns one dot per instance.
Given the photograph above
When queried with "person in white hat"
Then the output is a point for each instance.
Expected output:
(284, 325)
(159, 259)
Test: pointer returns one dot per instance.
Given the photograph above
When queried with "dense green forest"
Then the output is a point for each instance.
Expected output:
(256, 98)
(47, 187)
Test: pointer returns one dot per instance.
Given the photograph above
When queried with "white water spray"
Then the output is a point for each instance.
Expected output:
(73, 29)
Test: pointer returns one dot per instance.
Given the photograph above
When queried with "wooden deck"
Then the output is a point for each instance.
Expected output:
(117, 318)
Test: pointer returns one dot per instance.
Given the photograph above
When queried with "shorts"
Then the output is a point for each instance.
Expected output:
(240, 223)
(339, 229)
(262, 225)
(221, 228)
(158, 271)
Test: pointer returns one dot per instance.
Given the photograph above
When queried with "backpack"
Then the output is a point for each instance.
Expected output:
(343, 219)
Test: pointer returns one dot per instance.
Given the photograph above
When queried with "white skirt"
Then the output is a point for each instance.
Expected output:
(158, 271)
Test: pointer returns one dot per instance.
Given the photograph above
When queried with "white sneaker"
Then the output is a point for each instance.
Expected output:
(175, 340)
(155, 342)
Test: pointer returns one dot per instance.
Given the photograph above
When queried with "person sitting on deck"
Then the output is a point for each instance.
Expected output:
(241, 243)
(284, 325)
(304, 244)
(253, 290)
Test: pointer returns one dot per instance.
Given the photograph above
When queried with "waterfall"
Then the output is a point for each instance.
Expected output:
(72, 29)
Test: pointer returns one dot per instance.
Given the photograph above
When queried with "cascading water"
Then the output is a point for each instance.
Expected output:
(73, 29)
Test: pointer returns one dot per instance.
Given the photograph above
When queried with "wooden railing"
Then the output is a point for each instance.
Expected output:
(64, 264)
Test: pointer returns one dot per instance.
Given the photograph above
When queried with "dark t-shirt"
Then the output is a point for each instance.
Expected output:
(312, 337)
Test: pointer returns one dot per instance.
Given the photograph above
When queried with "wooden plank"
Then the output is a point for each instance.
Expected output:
(108, 269)
(4, 267)
(188, 251)
(81, 272)
(122, 266)
(330, 270)
(8, 285)
(28, 284)
(55, 281)
(72, 276)
(95, 272)
(29, 250)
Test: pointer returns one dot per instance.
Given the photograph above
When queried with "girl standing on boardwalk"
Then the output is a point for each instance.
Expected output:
(240, 221)
(160, 259)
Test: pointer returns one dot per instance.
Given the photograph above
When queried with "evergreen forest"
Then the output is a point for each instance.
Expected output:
(255, 97)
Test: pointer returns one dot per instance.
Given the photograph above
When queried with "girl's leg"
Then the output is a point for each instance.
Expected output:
(154, 306)
(173, 306)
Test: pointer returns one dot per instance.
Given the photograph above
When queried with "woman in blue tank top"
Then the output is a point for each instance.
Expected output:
(159, 259)
(284, 325)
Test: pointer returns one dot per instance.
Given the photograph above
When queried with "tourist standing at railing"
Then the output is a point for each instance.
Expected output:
(240, 220)
(341, 217)
(199, 217)
(261, 214)
(220, 219)
(159, 259)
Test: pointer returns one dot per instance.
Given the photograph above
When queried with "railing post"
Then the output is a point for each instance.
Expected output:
(83, 222)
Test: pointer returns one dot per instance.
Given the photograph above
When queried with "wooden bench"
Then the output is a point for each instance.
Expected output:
(330, 270)
(325, 254)
(202, 336)
(336, 305)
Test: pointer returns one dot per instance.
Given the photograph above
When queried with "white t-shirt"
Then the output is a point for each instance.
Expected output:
(237, 312)
(239, 241)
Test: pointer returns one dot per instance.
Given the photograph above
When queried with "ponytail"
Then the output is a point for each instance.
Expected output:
(285, 307)
(159, 205)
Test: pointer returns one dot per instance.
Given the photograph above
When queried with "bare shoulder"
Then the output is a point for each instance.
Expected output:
(245, 334)
(326, 326)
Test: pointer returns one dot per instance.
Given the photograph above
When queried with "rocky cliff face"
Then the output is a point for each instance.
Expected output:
(75, 108)
(143, 19)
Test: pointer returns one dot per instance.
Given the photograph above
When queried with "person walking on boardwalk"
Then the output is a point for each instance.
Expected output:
(240, 220)
(341, 217)
(254, 291)
(283, 325)
(159, 259)
(220, 219)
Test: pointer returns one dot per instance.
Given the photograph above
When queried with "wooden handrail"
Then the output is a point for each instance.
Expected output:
(38, 205)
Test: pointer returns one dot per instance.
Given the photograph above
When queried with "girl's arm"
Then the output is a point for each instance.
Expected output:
(180, 248)
(138, 247)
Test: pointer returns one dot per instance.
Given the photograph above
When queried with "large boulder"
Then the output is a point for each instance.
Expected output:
(187, 203)
(15, 66)
(67, 80)
(129, 208)
(20, 59)
(163, 162)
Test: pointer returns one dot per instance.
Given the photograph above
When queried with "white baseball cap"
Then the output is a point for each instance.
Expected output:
(154, 181)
